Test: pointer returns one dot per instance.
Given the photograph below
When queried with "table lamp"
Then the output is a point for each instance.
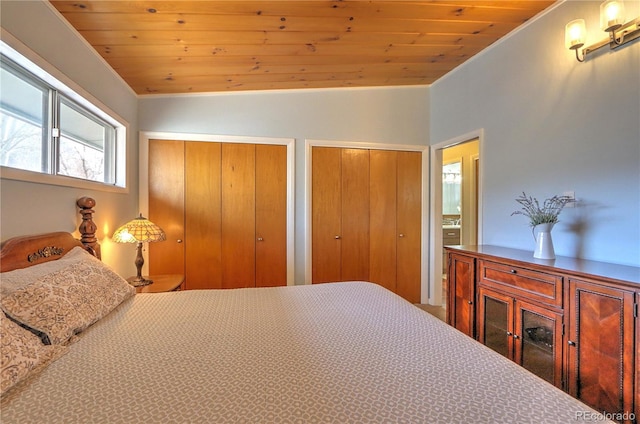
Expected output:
(139, 230)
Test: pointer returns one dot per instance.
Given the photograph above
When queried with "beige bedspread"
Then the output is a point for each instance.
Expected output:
(330, 353)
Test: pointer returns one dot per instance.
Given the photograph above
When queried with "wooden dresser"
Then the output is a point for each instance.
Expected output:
(572, 322)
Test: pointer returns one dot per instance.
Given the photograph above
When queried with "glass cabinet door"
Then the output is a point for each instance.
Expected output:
(496, 322)
(538, 341)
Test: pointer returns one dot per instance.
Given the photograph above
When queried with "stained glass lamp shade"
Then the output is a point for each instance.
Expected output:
(139, 230)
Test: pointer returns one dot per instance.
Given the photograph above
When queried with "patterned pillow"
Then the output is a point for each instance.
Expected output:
(65, 302)
(19, 278)
(22, 353)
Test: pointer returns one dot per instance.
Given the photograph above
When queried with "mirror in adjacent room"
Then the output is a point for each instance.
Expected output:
(451, 193)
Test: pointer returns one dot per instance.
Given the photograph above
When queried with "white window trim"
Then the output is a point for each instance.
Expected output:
(14, 49)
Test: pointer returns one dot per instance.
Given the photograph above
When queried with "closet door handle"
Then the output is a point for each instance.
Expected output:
(401, 235)
(337, 237)
(179, 240)
(260, 239)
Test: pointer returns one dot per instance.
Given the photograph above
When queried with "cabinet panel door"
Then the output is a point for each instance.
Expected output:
(271, 215)
(409, 225)
(355, 214)
(203, 218)
(326, 204)
(461, 293)
(495, 321)
(538, 346)
(383, 217)
(166, 205)
(238, 215)
(601, 343)
(637, 366)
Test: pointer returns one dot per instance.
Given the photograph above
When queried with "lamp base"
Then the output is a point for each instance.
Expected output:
(139, 281)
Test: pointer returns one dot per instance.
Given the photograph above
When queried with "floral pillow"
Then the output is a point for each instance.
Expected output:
(62, 303)
(22, 353)
(19, 278)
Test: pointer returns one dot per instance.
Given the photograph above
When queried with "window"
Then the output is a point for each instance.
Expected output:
(48, 129)
(23, 120)
(84, 144)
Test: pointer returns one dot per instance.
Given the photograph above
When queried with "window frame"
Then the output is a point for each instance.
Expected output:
(20, 73)
(35, 69)
(110, 159)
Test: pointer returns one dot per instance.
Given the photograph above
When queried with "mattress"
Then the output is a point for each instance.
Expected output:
(330, 353)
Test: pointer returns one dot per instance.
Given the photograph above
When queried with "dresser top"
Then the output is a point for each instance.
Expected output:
(629, 275)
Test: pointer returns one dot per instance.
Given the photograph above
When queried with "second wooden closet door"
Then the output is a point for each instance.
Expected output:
(203, 211)
(366, 217)
(340, 214)
(395, 218)
(409, 219)
(271, 215)
(238, 215)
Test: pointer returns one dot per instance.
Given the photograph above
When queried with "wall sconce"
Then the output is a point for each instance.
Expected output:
(611, 21)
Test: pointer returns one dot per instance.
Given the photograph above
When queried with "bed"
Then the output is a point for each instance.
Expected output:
(348, 352)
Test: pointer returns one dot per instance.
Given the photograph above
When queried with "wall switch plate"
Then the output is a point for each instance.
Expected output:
(572, 195)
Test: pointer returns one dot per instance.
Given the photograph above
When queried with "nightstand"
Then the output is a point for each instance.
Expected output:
(161, 283)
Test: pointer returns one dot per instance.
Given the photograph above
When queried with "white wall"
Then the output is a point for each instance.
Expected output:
(30, 208)
(378, 115)
(553, 124)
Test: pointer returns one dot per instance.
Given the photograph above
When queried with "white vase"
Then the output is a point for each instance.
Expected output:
(544, 243)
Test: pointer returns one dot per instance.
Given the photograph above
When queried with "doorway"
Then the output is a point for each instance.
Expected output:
(459, 199)
(455, 204)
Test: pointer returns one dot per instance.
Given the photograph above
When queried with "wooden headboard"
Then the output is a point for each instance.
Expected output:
(24, 251)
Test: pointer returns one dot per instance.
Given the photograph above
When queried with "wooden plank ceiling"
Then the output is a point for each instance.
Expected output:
(163, 47)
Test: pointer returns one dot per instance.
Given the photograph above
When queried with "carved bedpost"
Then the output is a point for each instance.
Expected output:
(88, 227)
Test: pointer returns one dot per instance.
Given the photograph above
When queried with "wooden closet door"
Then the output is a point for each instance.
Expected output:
(383, 200)
(203, 215)
(326, 205)
(238, 215)
(166, 205)
(271, 215)
(409, 225)
(355, 215)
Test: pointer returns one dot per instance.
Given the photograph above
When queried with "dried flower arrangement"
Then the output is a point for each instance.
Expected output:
(545, 214)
